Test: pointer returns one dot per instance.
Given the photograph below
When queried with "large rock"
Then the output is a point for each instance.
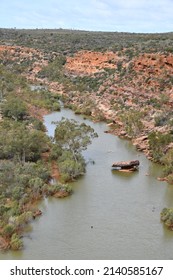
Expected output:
(126, 165)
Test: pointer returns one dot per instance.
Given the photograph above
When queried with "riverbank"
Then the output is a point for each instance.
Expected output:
(23, 143)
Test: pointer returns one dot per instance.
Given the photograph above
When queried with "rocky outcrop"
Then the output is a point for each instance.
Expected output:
(141, 143)
(154, 63)
(88, 62)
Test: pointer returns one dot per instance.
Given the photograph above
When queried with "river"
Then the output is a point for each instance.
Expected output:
(111, 215)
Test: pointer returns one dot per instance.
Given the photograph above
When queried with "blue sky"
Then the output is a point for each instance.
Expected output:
(101, 15)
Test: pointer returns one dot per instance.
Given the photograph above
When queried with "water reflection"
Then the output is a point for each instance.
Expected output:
(124, 175)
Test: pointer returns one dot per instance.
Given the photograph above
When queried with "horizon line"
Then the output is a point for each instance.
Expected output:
(82, 30)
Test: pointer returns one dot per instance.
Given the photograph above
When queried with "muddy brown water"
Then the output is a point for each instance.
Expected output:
(111, 215)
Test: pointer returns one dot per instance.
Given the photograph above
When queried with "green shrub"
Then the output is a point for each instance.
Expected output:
(132, 121)
(157, 144)
(167, 217)
(56, 152)
(38, 125)
(58, 187)
(69, 168)
(8, 230)
(14, 108)
(16, 242)
(170, 177)
(56, 106)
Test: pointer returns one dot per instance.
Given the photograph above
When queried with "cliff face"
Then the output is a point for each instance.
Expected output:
(156, 70)
(144, 71)
(132, 83)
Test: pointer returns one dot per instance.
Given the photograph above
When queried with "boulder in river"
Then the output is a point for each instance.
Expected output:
(126, 165)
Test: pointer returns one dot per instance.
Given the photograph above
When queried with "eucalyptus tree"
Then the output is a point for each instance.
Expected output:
(72, 138)
(20, 143)
(14, 108)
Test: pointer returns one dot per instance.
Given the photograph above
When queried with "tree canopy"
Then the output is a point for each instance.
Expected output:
(14, 108)
(21, 143)
(71, 138)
